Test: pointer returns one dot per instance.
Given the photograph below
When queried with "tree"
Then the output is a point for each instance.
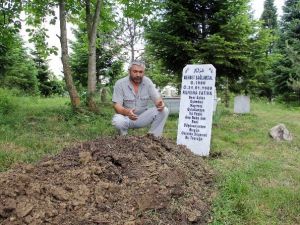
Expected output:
(10, 23)
(9, 27)
(270, 25)
(285, 70)
(221, 33)
(48, 84)
(92, 22)
(94, 58)
(229, 47)
(269, 15)
(294, 57)
(174, 34)
(37, 12)
(43, 73)
(19, 70)
(269, 21)
(108, 63)
(75, 101)
(132, 33)
(134, 15)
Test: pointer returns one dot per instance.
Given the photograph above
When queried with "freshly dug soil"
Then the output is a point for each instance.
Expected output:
(110, 181)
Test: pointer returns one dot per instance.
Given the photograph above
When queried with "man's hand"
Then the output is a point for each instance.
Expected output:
(131, 114)
(160, 105)
(125, 112)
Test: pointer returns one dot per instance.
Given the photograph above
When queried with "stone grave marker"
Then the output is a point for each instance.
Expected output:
(196, 108)
(241, 104)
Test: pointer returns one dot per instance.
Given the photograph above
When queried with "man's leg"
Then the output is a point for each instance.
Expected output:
(154, 117)
(158, 123)
(121, 123)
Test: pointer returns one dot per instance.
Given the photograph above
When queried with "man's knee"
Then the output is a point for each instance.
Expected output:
(120, 121)
(165, 112)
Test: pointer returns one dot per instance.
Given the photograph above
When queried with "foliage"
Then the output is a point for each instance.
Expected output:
(158, 74)
(172, 35)
(134, 15)
(9, 26)
(108, 65)
(285, 70)
(269, 15)
(238, 48)
(221, 33)
(16, 66)
(38, 11)
(7, 102)
(262, 59)
(10, 20)
(47, 82)
(36, 14)
(269, 24)
(18, 70)
(294, 57)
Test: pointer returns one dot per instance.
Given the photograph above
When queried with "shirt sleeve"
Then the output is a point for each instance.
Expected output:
(153, 92)
(118, 93)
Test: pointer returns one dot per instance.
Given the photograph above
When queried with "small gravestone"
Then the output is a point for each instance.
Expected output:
(242, 104)
(196, 108)
(103, 95)
(280, 132)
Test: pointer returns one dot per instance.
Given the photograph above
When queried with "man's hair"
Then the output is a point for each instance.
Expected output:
(138, 63)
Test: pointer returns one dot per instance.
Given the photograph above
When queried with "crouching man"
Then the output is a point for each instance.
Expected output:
(130, 101)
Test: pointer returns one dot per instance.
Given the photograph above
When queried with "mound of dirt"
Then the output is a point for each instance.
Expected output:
(114, 180)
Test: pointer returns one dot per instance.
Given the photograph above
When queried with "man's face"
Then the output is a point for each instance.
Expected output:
(136, 74)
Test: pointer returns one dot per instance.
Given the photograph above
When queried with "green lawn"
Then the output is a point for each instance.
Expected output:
(257, 178)
(37, 126)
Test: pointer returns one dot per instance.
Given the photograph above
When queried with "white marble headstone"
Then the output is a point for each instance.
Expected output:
(196, 107)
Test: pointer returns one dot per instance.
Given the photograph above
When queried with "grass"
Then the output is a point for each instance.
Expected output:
(45, 126)
(258, 179)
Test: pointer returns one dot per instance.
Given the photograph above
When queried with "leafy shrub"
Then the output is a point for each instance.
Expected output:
(7, 102)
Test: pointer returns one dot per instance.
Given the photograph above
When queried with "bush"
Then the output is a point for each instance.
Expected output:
(7, 102)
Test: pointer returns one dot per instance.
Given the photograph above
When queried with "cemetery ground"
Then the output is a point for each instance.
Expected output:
(256, 180)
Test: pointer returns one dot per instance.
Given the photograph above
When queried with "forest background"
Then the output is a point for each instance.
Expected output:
(258, 57)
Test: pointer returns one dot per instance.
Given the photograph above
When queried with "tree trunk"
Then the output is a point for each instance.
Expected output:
(132, 35)
(92, 33)
(75, 101)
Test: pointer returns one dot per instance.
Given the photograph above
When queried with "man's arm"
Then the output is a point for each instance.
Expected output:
(124, 111)
(160, 105)
(155, 96)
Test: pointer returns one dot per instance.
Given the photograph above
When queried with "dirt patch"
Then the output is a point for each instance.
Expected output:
(113, 180)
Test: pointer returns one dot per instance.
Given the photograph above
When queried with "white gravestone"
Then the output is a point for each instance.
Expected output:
(241, 104)
(196, 108)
